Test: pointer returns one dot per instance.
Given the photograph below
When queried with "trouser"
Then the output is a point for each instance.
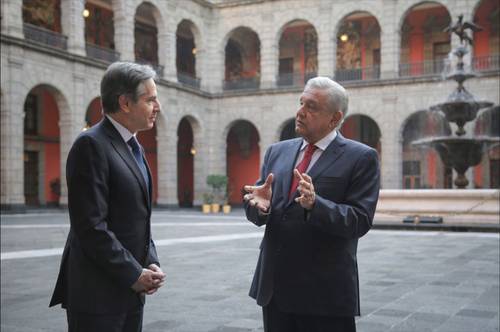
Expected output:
(278, 321)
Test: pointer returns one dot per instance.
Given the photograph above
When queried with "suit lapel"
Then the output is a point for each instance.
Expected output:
(334, 150)
(288, 162)
(150, 177)
(122, 149)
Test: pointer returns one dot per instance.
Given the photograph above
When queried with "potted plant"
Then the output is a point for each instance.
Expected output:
(218, 183)
(226, 208)
(207, 201)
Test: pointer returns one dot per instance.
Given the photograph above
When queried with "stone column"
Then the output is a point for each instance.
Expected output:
(12, 18)
(391, 142)
(12, 133)
(124, 29)
(166, 141)
(326, 53)
(73, 26)
(268, 60)
(390, 42)
(213, 59)
(167, 54)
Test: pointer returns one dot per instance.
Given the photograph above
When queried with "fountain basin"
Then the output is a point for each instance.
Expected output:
(460, 153)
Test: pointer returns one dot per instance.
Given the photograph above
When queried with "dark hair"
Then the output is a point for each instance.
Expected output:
(123, 78)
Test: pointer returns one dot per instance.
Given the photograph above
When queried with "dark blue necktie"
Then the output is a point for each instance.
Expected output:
(137, 152)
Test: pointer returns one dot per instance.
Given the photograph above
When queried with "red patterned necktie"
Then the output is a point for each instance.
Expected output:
(302, 167)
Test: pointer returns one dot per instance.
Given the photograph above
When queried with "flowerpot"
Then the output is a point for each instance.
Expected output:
(215, 208)
(226, 208)
(205, 208)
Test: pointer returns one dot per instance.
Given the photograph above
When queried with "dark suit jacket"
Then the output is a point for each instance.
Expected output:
(109, 241)
(307, 261)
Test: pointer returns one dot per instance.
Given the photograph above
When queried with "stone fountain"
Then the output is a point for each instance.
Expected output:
(460, 151)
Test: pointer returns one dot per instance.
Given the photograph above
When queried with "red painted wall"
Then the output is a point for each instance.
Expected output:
(50, 131)
(94, 112)
(241, 170)
(416, 19)
(482, 38)
(185, 164)
(298, 31)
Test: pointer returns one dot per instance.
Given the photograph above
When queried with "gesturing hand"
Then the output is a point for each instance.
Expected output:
(306, 190)
(260, 196)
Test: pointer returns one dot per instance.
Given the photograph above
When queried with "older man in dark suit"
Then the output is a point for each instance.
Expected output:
(317, 196)
(109, 261)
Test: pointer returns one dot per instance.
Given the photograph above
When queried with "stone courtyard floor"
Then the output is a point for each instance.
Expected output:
(410, 280)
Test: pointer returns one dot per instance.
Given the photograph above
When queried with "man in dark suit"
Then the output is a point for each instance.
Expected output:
(109, 262)
(317, 196)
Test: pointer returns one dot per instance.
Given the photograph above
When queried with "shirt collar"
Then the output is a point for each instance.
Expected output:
(323, 143)
(124, 132)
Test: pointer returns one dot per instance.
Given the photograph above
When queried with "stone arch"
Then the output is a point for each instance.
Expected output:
(409, 66)
(188, 133)
(297, 49)
(364, 129)
(148, 10)
(358, 56)
(351, 8)
(93, 113)
(421, 165)
(286, 130)
(242, 157)
(242, 65)
(43, 107)
(187, 63)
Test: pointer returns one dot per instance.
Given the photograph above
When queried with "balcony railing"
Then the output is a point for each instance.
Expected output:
(424, 68)
(45, 36)
(158, 68)
(101, 53)
(247, 83)
(357, 74)
(294, 79)
(188, 79)
(486, 63)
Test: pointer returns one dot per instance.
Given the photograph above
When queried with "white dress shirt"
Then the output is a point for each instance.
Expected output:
(124, 132)
(321, 145)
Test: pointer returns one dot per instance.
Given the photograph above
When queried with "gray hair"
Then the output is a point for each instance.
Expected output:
(337, 95)
(123, 78)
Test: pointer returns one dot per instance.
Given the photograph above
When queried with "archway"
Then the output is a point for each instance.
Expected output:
(424, 43)
(487, 41)
(42, 167)
(288, 131)
(186, 54)
(422, 166)
(185, 163)
(363, 129)
(298, 53)
(487, 173)
(243, 158)
(242, 60)
(358, 48)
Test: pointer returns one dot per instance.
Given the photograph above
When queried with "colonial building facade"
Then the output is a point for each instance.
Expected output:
(230, 75)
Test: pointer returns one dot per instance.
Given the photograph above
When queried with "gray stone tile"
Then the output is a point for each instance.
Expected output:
(477, 313)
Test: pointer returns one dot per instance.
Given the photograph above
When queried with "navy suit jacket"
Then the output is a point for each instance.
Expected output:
(307, 262)
(109, 241)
